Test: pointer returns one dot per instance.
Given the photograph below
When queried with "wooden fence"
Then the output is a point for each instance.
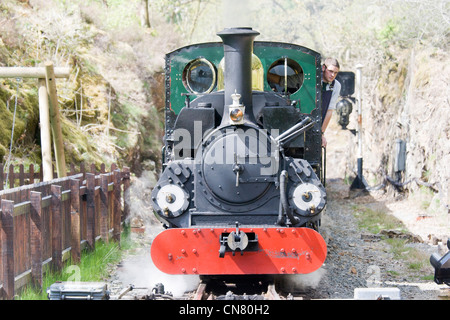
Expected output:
(43, 224)
(15, 176)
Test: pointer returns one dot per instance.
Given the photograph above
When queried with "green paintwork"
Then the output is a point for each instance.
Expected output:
(267, 52)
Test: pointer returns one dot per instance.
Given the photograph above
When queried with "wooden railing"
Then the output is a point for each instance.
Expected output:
(43, 224)
(15, 176)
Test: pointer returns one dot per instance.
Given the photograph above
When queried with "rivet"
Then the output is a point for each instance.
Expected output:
(283, 269)
(293, 250)
(183, 270)
(170, 256)
(282, 250)
(294, 270)
(194, 231)
(194, 250)
(183, 232)
(194, 270)
(183, 251)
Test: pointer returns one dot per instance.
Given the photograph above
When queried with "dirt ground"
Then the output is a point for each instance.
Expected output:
(358, 259)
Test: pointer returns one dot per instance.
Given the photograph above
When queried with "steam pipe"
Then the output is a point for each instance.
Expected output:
(299, 131)
(296, 127)
(280, 219)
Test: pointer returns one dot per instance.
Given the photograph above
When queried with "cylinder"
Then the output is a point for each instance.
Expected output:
(238, 49)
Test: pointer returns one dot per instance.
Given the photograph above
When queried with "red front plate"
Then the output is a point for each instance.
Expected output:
(280, 251)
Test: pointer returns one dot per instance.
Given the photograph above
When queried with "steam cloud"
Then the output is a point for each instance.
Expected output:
(236, 13)
(139, 270)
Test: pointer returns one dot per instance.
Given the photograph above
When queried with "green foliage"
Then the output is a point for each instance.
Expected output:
(375, 220)
(416, 260)
(105, 44)
(389, 32)
(94, 266)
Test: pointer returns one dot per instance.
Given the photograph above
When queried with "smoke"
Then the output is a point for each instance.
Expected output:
(142, 273)
(302, 282)
(237, 13)
(139, 269)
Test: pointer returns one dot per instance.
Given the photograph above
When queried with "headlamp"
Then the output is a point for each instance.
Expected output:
(236, 114)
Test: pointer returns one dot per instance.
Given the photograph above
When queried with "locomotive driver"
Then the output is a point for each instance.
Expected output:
(330, 92)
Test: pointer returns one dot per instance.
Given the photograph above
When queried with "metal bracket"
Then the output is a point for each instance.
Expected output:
(231, 241)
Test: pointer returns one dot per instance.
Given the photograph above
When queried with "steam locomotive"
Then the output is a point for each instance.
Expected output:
(242, 186)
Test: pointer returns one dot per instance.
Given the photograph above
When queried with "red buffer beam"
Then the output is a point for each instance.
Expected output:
(278, 251)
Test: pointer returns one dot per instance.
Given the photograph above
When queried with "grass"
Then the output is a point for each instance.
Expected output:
(94, 266)
(415, 259)
(376, 220)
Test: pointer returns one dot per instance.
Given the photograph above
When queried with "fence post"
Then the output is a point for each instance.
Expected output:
(36, 237)
(90, 198)
(1, 177)
(75, 220)
(44, 119)
(55, 121)
(21, 175)
(31, 174)
(116, 205)
(7, 247)
(11, 176)
(56, 211)
(104, 230)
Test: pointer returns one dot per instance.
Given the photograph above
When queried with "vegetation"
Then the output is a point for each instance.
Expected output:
(94, 267)
(375, 221)
(113, 101)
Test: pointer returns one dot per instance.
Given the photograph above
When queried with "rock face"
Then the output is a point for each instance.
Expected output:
(407, 99)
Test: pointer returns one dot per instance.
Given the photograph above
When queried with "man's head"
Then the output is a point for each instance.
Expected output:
(330, 69)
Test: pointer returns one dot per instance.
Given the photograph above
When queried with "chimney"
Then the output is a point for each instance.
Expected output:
(238, 49)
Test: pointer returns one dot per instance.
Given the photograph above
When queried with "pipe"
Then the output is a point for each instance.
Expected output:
(296, 127)
(280, 219)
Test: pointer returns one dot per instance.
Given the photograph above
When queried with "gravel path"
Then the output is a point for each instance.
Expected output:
(357, 259)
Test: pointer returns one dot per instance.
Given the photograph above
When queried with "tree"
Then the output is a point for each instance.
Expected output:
(145, 14)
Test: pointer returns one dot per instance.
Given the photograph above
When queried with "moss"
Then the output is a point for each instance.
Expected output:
(2, 153)
(6, 119)
(30, 40)
(77, 147)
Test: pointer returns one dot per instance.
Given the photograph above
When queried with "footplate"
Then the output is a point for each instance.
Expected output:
(277, 251)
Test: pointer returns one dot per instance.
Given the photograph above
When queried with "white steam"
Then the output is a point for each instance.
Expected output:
(142, 273)
(236, 13)
(305, 281)
(139, 270)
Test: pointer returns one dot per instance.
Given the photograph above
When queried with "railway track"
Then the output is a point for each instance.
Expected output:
(215, 289)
